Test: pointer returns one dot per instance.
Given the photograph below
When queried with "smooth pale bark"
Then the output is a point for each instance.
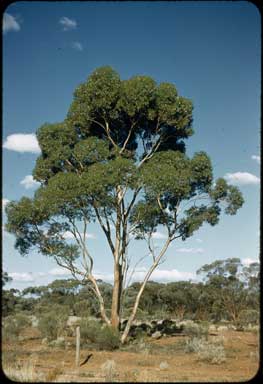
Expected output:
(117, 287)
(138, 297)
(116, 296)
(101, 301)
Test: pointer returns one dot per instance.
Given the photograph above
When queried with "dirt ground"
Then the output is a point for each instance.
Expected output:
(161, 360)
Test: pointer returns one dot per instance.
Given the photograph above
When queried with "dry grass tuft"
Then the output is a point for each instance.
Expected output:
(25, 373)
(109, 370)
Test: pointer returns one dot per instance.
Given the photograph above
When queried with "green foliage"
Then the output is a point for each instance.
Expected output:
(51, 325)
(228, 193)
(225, 280)
(137, 95)
(95, 99)
(108, 339)
(194, 330)
(167, 172)
(21, 320)
(13, 326)
(89, 329)
(103, 337)
(248, 316)
(13, 302)
(229, 291)
(85, 157)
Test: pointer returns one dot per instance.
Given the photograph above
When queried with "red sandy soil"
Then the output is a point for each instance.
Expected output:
(58, 364)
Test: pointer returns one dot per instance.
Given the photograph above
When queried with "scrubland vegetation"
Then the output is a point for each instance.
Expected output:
(193, 319)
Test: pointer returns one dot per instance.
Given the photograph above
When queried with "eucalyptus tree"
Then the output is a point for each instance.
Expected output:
(226, 286)
(119, 159)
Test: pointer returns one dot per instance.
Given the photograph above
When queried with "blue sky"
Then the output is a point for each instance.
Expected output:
(209, 50)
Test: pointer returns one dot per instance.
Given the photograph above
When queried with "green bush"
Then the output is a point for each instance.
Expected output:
(108, 339)
(22, 320)
(248, 316)
(82, 308)
(51, 325)
(196, 330)
(89, 329)
(13, 325)
(103, 337)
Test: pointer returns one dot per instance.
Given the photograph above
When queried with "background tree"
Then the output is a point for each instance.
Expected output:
(181, 298)
(223, 280)
(118, 158)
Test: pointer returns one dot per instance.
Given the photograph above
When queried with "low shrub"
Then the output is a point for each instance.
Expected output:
(103, 337)
(109, 370)
(213, 353)
(52, 325)
(196, 330)
(108, 339)
(89, 329)
(13, 325)
(193, 344)
(21, 320)
(248, 316)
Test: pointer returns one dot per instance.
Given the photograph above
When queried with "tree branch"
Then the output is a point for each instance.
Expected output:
(138, 297)
(128, 137)
(105, 230)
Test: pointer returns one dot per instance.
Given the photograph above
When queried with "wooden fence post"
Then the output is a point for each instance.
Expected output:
(77, 345)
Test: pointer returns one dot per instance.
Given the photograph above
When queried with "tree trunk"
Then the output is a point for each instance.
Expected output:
(116, 296)
(100, 299)
(117, 287)
(138, 297)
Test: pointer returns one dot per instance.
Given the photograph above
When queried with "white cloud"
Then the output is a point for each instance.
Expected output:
(69, 235)
(22, 142)
(159, 235)
(164, 275)
(199, 240)
(28, 182)
(10, 23)
(90, 236)
(107, 277)
(248, 261)
(157, 275)
(190, 250)
(242, 178)
(256, 158)
(67, 23)
(77, 46)
(24, 276)
(40, 274)
(59, 272)
(170, 275)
